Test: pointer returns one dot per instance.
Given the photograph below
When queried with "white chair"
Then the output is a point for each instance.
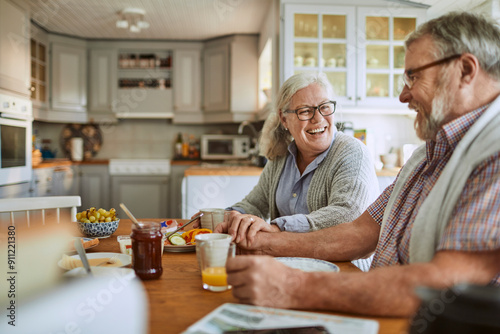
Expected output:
(29, 204)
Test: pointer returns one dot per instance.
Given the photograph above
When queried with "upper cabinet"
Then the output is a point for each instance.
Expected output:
(66, 82)
(39, 50)
(360, 49)
(230, 82)
(145, 80)
(69, 77)
(187, 86)
(15, 47)
(144, 87)
(102, 79)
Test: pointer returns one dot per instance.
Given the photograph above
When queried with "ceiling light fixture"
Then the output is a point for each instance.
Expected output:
(132, 19)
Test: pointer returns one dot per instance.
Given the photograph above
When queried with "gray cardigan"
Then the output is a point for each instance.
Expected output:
(342, 187)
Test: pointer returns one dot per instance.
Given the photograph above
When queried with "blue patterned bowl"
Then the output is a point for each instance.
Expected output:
(98, 230)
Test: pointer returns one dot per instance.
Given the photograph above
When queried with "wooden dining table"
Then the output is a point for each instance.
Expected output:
(177, 299)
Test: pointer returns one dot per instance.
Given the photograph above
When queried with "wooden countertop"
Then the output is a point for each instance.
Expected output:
(252, 171)
(67, 162)
(223, 170)
(388, 171)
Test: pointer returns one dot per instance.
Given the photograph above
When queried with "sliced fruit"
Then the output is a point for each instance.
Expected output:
(176, 239)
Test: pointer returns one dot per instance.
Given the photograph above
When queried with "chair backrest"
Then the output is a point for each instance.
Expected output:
(29, 204)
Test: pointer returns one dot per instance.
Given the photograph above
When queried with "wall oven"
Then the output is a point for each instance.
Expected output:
(15, 139)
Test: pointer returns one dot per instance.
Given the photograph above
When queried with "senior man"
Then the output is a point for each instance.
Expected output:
(438, 224)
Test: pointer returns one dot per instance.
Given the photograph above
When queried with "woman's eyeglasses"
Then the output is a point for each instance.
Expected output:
(307, 113)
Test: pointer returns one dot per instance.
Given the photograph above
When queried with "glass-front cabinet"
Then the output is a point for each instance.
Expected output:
(360, 49)
(319, 38)
(381, 54)
(38, 72)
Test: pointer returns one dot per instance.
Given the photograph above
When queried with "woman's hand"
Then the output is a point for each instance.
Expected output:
(263, 281)
(244, 227)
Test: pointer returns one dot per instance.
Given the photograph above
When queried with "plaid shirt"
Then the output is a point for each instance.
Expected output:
(475, 221)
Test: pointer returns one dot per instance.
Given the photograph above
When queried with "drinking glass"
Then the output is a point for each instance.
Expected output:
(213, 257)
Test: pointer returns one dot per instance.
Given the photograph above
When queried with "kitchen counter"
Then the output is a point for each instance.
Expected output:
(67, 162)
(223, 170)
(388, 171)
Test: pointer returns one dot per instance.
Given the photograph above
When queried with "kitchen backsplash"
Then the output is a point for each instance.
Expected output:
(154, 139)
(131, 139)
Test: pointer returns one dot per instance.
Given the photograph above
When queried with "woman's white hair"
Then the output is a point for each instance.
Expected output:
(275, 139)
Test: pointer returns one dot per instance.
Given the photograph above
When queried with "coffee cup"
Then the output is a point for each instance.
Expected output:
(211, 218)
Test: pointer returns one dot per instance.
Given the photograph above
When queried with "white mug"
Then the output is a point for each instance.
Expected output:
(211, 217)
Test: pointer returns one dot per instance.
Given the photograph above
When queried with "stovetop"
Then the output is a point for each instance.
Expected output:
(139, 167)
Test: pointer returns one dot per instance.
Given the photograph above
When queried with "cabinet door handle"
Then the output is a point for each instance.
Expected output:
(350, 98)
(359, 98)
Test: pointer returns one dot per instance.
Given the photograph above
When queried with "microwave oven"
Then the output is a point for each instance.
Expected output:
(15, 139)
(222, 147)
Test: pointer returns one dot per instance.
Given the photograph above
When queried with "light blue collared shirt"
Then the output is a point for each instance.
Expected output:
(291, 195)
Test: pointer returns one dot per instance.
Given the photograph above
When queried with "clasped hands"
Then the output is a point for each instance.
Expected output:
(244, 227)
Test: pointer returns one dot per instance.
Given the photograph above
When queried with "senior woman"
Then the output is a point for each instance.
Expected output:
(316, 177)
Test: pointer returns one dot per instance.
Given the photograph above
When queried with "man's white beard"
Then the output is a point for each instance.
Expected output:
(428, 124)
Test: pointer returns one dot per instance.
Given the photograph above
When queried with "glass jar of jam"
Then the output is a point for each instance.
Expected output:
(147, 250)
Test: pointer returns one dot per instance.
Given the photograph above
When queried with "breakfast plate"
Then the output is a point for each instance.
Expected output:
(70, 262)
(101, 272)
(308, 264)
(87, 243)
(179, 248)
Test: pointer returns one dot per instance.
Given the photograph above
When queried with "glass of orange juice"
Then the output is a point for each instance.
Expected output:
(213, 256)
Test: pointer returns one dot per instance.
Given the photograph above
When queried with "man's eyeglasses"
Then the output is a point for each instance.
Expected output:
(307, 113)
(408, 77)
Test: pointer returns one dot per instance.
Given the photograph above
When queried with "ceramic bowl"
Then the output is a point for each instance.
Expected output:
(98, 230)
(389, 160)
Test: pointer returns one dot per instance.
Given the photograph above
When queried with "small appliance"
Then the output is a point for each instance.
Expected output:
(223, 147)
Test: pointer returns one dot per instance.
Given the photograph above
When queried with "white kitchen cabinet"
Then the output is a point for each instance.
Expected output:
(144, 196)
(230, 67)
(67, 81)
(18, 190)
(187, 86)
(54, 181)
(66, 181)
(216, 80)
(176, 176)
(69, 77)
(359, 48)
(15, 47)
(102, 82)
(214, 191)
(94, 186)
(39, 50)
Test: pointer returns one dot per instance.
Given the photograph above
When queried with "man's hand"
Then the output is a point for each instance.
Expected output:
(243, 227)
(263, 281)
(197, 222)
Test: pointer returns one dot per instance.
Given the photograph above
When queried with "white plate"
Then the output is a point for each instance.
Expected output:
(73, 250)
(101, 271)
(124, 258)
(179, 248)
(307, 264)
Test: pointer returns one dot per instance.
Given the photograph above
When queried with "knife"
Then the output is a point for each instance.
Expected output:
(83, 256)
(182, 226)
